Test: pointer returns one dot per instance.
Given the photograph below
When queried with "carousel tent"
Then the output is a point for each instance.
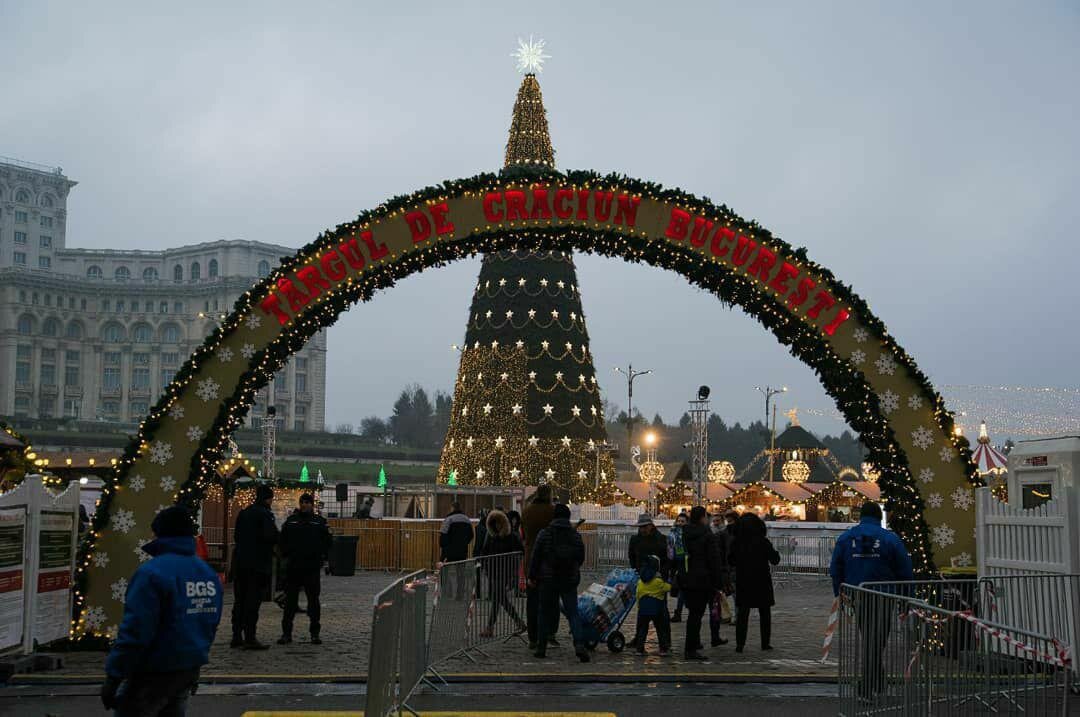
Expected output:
(989, 459)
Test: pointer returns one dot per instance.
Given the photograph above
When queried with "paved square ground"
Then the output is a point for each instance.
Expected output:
(799, 620)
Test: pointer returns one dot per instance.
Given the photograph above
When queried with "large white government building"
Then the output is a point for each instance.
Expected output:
(96, 334)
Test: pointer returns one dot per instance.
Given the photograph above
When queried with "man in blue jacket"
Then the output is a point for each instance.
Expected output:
(171, 612)
(869, 553)
(863, 554)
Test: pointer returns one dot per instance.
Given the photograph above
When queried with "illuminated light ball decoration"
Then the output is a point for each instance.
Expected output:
(795, 471)
(721, 472)
(870, 473)
(878, 387)
(651, 472)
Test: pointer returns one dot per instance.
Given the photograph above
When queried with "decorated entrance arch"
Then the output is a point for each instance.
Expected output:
(926, 471)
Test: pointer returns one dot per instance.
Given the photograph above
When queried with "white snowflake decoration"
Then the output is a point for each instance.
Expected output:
(885, 365)
(860, 335)
(176, 412)
(136, 483)
(889, 401)
(101, 559)
(253, 322)
(225, 355)
(922, 437)
(119, 589)
(208, 389)
(858, 356)
(247, 350)
(942, 535)
(194, 433)
(142, 554)
(962, 498)
(914, 402)
(945, 454)
(122, 520)
(95, 616)
(160, 452)
(112, 632)
(935, 500)
(530, 56)
(962, 560)
(168, 483)
(926, 475)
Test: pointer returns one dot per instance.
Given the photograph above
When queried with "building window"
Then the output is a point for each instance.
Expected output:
(170, 334)
(71, 368)
(122, 273)
(212, 269)
(142, 334)
(301, 363)
(19, 257)
(45, 241)
(21, 218)
(196, 273)
(71, 303)
(26, 325)
(113, 334)
(46, 222)
(111, 410)
(22, 295)
(51, 327)
(178, 273)
(163, 307)
(149, 308)
(46, 201)
(48, 374)
(22, 406)
(138, 410)
(112, 358)
(72, 408)
(149, 274)
(34, 299)
(93, 272)
(48, 299)
(22, 364)
(104, 304)
(134, 306)
(167, 376)
(22, 196)
(140, 377)
(119, 306)
(20, 237)
(110, 378)
(301, 382)
(74, 330)
(264, 268)
(140, 359)
(178, 308)
(82, 304)
(279, 382)
(44, 262)
(45, 406)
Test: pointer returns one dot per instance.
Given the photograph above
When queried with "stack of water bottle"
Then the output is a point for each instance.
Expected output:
(604, 605)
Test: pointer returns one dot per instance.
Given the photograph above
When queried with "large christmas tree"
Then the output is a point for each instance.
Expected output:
(527, 408)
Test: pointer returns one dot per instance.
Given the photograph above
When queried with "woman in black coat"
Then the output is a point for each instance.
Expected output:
(502, 571)
(750, 555)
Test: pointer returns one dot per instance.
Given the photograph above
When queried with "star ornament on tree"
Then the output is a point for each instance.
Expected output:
(530, 56)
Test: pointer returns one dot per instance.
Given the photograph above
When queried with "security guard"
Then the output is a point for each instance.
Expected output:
(305, 543)
(171, 613)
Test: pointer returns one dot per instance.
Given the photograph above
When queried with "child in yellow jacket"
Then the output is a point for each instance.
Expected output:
(652, 594)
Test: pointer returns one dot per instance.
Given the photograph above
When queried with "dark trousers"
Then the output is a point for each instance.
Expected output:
(742, 624)
(874, 625)
(249, 587)
(551, 595)
(679, 602)
(532, 615)
(661, 622)
(500, 597)
(696, 600)
(156, 694)
(308, 581)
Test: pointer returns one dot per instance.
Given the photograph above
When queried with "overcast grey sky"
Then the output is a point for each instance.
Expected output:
(927, 153)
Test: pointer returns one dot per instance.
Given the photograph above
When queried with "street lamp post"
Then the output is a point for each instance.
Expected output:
(630, 375)
(768, 392)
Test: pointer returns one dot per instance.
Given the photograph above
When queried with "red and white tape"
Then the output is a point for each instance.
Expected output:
(1063, 658)
(830, 628)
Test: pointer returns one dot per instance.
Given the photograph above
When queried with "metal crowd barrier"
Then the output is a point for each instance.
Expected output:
(900, 654)
(808, 555)
(476, 601)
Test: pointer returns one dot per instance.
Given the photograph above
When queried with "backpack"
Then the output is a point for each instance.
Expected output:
(563, 552)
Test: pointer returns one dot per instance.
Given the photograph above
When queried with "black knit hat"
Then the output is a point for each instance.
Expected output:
(262, 492)
(173, 522)
(697, 513)
(561, 511)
